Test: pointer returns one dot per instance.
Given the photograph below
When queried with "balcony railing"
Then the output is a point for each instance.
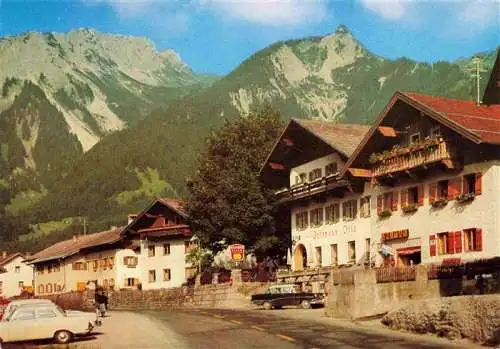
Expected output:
(309, 188)
(405, 159)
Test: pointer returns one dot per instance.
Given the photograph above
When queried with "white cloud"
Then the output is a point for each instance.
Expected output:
(481, 13)
(125, 8)
(393, 10)
(270, 12)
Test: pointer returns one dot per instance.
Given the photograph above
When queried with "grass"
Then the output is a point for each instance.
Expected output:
(24, 200)
(44, 229)
(151, 185)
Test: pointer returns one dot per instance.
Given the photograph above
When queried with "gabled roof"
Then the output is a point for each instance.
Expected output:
(10, 258)
(176, 206)
(72, 246)
(478, 123)
(344, 138)
(491, 94)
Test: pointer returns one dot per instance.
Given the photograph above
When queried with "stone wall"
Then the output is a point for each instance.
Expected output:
(217, 295)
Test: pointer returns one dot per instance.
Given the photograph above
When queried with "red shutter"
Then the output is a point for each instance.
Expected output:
(421, 195)
(404, 197)
(450, 242)
(432, 245)
(458, 242)
(432, 192)
(479, 240)
(394, 204)
(478, 186)
(380, 203)
(454, 186)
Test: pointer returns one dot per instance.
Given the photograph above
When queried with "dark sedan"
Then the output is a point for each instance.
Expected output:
(278, 296)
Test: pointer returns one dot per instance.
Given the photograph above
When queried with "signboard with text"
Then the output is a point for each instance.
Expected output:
(237, 252)
(394, 235)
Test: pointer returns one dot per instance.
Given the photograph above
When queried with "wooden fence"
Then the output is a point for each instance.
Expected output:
(395, 274)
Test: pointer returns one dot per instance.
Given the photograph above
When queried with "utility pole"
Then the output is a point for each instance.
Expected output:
(476, 74)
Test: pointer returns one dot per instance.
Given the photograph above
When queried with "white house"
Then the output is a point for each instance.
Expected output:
(17, 275)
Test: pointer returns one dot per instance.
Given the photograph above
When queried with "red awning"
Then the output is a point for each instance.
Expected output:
(408, 250)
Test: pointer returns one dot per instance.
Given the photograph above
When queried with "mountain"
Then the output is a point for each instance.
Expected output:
(62, 93)
(331, 78)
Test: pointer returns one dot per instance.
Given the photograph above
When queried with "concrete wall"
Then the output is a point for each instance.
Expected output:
(365, 297)
(17, 272)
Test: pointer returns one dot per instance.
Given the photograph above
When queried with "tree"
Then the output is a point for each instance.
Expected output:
(227, 203)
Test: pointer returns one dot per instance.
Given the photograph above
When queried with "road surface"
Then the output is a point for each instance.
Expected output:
(252, 329)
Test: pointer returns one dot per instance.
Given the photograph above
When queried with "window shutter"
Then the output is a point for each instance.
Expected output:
(421, 195)
(458, 242)
(479, 240)
(404, 197)
(380, 203)
(432, 245)
(478, 184)
(394, 203)
(432, 192)
(454, 186)
(450, 242)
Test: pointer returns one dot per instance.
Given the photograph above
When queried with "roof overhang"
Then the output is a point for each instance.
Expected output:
(432, 113)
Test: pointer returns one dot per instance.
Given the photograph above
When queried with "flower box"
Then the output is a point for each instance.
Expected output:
(410, 208)
(439, 203)
(385, 214)
(468, 197)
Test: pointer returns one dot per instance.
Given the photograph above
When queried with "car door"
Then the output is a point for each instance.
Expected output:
(47, 322)
(21, 325)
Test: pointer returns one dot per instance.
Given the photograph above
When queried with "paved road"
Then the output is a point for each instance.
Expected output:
(249, 329)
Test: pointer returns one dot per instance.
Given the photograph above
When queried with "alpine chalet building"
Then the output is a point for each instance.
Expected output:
(422, 185)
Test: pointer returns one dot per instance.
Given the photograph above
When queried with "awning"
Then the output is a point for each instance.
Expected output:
(408, 250)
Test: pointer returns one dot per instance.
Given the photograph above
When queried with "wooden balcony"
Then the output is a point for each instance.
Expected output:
(303, 190)
(418, 156)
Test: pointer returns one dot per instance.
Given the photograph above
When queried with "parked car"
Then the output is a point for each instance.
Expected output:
(31, 303)
(278, 296)
(25, 323)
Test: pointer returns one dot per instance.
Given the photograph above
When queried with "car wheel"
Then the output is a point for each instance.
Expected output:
(267, 306)
(305, 304)
(63, 337)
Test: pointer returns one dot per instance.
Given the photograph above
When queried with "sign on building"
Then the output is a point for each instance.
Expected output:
(237, 252)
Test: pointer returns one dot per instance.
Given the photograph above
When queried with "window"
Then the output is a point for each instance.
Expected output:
(152, 276)
(166, 249)
(40, 269)
(95, 265)
(314, 174)
(472, 240)
(50, 268)
(442, 243)
(166, 274)
(332, 213)
(435, 132)
(387, 205)
(43, 313)
(415, 138)
(412, 196)
(334, 251)
(78, 266)
(130, 261)
(442, 189)
(331, 168)
(24, 314)
(349, 210)
(316, 217)
(111, 263)
(151, 250)
(364, 207)
(351, 250)
(131, 282)
(1, 287)
(472, 184)
(367, 249)
(318, 256)
(21, 284)
(301, 178)
(301, 220)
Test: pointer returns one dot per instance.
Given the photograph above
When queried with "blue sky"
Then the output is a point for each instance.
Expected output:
(214, 36)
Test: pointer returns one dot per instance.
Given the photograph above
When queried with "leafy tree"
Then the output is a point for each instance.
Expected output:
(199, 258)
(227, 203)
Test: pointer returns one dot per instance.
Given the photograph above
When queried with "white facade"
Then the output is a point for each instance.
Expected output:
(481, 213)
(18, 275)
(168, 263)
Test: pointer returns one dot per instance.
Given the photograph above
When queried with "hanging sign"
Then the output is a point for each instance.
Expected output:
(237, 252)
(394, 235)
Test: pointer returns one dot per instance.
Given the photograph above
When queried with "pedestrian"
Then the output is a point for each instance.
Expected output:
(480, 284)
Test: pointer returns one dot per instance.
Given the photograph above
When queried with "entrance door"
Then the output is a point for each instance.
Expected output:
(299, 258)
